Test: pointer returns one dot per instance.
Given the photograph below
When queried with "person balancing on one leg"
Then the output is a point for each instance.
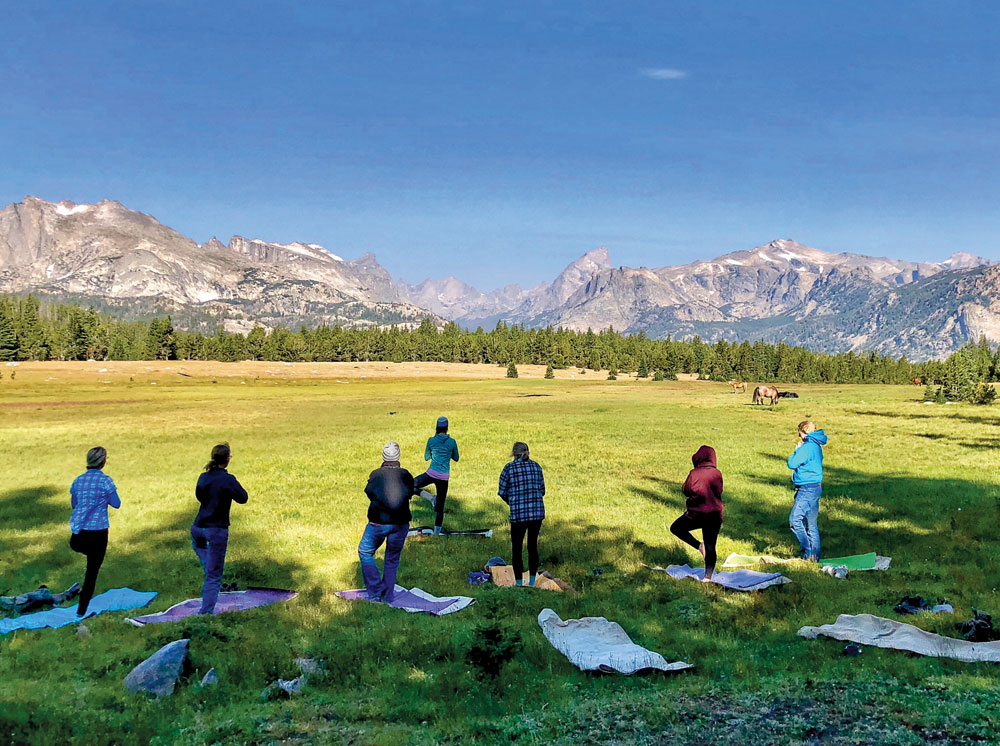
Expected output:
(389, 490)
(441, 450)
(91, 494)
(807, 476)
(703, 490)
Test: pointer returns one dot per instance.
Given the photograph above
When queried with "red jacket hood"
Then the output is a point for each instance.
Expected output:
(704, 456)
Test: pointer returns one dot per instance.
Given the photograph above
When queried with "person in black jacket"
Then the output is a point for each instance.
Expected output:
(216, 491)
(389, 489)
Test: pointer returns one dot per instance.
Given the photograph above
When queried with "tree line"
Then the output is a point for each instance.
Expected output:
(33, 330)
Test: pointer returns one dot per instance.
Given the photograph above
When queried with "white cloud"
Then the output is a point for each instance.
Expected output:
(663, 73)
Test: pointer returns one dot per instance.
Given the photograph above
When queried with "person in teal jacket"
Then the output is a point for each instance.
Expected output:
(806, 464)
(441, 450)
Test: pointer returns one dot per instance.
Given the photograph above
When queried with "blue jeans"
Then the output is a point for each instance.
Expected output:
(802, 521)
(210, 546)
(394, 536)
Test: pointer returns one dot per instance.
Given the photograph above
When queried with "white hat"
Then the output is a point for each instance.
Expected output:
(390, 451)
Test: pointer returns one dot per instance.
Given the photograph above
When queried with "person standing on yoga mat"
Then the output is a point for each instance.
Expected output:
(807, 476)
(217, 490)
(90, 495)
(389, 490)
(441, 450)
(522, 487)
(703, 490)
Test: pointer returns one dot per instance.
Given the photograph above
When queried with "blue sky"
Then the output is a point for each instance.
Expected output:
(499, 141)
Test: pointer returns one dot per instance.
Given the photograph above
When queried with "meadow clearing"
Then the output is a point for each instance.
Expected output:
(915, 482)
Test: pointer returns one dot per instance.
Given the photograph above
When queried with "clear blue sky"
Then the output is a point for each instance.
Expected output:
(497, 141)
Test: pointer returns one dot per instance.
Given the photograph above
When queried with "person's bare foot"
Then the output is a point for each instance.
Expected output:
(707, 579)
(701, 548)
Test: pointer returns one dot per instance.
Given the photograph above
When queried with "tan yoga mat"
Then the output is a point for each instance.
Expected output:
(503, 576)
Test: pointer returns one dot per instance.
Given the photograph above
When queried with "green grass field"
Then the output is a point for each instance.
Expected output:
(917, 483)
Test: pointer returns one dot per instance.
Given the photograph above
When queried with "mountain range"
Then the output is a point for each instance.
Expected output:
(131, 264)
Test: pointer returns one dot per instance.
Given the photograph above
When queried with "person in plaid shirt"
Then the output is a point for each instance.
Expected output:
(522, 487)
(90, 495)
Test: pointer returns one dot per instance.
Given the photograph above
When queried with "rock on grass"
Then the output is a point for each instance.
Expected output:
(158, 674)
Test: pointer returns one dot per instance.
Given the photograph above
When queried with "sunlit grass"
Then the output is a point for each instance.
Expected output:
(903, 480)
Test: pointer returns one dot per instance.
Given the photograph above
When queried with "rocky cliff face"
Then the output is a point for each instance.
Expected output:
(132, 264)
(130, 261)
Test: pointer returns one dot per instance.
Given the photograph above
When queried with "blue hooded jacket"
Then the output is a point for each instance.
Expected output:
(807, 461)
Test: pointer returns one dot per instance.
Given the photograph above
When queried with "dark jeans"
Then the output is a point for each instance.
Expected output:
(440, 492)
(394, 536)
(517, 532)
(93, 545)
(210, 545)
(710, 525)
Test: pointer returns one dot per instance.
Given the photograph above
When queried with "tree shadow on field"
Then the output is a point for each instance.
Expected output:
(940, 518)
(160, 559)
(971, 418)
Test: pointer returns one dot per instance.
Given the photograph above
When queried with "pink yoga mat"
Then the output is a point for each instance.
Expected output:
(234, 601)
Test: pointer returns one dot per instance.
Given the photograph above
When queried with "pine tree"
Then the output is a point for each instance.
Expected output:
(77, 338)
(611, 375)
(549, 372)
(30, 333)
(984, 393)
(658, 375)
(511, 369)
(929, 392)
(8, 337)
(643, 371)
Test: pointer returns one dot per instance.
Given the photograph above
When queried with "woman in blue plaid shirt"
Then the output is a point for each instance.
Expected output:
(522, 487)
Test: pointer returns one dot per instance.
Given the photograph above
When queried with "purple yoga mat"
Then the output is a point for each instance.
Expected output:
(408, 601)
(234, 601)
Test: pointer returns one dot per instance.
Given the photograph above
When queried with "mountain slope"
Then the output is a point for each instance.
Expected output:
(130, 261)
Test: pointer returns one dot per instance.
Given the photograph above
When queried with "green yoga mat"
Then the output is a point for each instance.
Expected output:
(854, 562)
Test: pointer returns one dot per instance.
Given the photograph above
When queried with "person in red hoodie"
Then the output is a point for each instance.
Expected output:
(703, 490)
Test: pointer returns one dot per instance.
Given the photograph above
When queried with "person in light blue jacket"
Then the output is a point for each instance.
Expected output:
(441, 450)
(807, 476)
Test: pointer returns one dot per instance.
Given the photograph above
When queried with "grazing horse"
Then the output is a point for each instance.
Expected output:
(918, 381)
(738, 386)
(765, 392)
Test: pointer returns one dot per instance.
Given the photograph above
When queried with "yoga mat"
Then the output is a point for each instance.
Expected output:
(867, 629)
(232, 601)
(853, 563)
(736, 580)
(856, 563)
(503, 576)
(429, 531)
(416, 601)
(116, 599)
(596, 644)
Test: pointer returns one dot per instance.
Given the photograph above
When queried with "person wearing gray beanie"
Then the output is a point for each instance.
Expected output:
(441, 450)
(90, 496)
(389, 490)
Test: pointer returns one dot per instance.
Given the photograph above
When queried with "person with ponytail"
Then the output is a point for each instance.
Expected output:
(216, 491)
(522, 487)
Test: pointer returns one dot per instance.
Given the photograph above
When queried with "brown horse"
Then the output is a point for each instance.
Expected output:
(918, 381)
(765, 392)
(738, 386)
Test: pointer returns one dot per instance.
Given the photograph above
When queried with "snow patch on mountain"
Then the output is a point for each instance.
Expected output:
(68, 208)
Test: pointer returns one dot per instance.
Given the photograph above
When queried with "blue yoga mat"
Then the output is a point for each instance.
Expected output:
(117, 599)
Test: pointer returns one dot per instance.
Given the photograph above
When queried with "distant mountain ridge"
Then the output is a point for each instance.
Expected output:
(133, 265)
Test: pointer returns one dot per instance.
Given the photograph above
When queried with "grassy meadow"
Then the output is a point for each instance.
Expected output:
(915, 482)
